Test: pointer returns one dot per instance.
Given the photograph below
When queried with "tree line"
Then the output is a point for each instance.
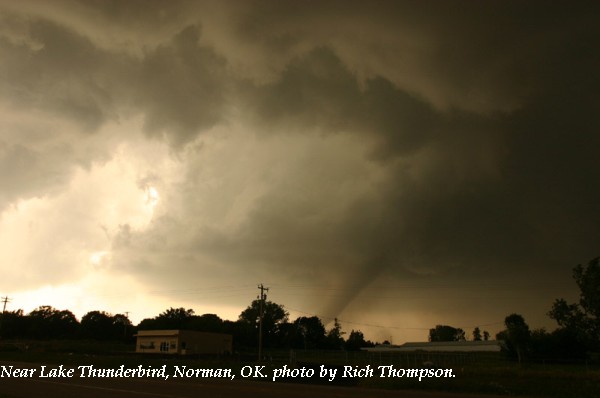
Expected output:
(278, 331)
(48, 323)
(578, 333)
(577, 336)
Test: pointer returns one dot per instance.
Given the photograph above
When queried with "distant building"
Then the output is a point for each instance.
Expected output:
(182, 342)
(441, 346)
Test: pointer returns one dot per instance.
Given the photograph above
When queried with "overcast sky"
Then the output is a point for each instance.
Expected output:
(394, 164)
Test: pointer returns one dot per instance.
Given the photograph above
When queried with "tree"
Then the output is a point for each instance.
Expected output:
(569, 316)
(560, 344)
(122, 327)
(309, 332)
(173, 318)
(476, 334)
(446, 333)
(582, 319)
(334, 339)
(206, 323)
(47, 322)
(13, 324)
(588, 280)
(97, 325)
(356, 340)
(244, 334)
(148, 324)
(517, 335)
(273, 316)
(486, 335)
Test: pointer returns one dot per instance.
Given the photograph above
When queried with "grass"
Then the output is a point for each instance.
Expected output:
(483, 375)
(509, 380)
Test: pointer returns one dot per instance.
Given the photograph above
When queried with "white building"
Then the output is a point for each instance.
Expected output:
(442, 346)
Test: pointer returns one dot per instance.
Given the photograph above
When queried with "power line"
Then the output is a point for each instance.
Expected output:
(384, 326)
(479, 286)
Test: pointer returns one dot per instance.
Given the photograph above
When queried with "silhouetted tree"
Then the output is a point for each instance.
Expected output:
(47, 322)
(560, 345)
(148, 324)
(173, 318)
(244, 334)
(569, 316)
(206, 323)
(516, 335)
(582, 319)
(122, 326)
(13, 324)
(288, 336)
(97, 325)
(334, 339)
(274, 315)
(476, 334)
(486, 335)
(356, 340)
(309, 332)
(446, 333)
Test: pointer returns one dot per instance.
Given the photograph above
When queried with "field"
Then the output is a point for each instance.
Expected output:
(474, 374)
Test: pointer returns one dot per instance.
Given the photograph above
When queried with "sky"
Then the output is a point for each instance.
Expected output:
(394, 164)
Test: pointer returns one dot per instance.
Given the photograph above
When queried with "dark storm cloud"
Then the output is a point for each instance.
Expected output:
(498, 192)
(59, 75)
(467, 133)
(178, 86)
(317, 91)
(189, 95)
(466, 55)
(51, 73)
(465, 191)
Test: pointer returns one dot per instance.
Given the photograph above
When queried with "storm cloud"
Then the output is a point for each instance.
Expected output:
(391, 163)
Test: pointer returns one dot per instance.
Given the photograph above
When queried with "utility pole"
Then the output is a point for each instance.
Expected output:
(5, 300)
(125, 326)
(261, 313)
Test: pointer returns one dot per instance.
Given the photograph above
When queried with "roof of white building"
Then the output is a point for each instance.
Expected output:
(449, 346)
